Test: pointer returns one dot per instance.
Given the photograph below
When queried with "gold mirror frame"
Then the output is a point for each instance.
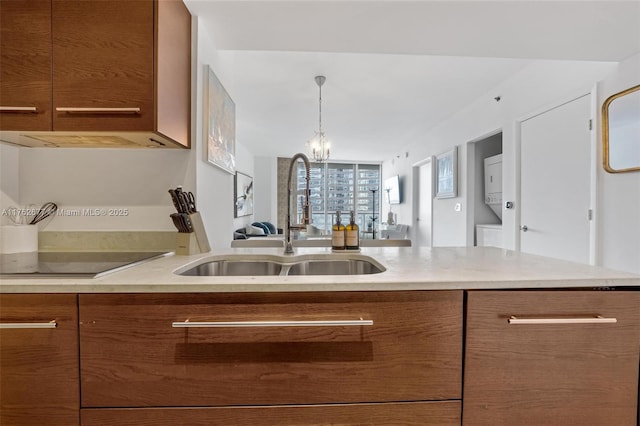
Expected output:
(605, 131)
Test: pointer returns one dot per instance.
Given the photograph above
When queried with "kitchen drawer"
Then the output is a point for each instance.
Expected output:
(405, 414)
(39, 360)
(132, 356)
(552, 373)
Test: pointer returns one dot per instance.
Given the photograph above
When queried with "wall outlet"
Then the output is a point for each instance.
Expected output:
(458, 207)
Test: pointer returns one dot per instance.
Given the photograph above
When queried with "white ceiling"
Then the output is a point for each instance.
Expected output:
(394, 68)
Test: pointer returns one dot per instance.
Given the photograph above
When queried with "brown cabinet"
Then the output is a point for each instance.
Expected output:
(25, 65)
(216, 349)
(120, 68)
(446, 413)
(39, 381)
(552, 358)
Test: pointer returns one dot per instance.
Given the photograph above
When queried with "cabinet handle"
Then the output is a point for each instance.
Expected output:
(99, 110)
(238, 324)
(584, 320)
(17, 109)
(9, 325)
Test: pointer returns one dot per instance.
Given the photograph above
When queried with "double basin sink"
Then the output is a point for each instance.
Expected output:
(251, 265)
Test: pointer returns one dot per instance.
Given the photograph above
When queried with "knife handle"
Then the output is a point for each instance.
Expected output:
(187, 222)
(175, 217)
(184, 202)
(176, 201)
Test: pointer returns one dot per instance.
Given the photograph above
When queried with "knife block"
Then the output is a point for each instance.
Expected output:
(187, 243)
(193, 242)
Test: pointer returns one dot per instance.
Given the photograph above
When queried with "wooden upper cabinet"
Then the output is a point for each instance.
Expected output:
(25, 65)
(103, 59)
(116, 66)
(173, 70)
(39, 383)
(548, 370)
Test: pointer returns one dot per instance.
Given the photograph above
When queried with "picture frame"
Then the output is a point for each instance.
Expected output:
(447, 174)
(220, 118)
(243, 195)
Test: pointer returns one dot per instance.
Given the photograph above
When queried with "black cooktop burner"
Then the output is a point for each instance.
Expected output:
(73, 264)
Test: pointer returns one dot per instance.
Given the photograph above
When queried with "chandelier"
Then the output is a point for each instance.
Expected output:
(319, 145)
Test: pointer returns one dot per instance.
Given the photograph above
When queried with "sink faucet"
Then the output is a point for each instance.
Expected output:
(305, 208)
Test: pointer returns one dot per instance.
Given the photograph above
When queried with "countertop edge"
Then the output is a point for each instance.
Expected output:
(297, 287)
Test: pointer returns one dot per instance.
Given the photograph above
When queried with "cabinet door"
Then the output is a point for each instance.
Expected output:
(103, 59)
(550, 372)
(39, 366)
(25, 70)
(405, 414)
(133, 354)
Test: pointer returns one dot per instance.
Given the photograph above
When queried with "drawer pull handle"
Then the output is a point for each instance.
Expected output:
(17, 109)
(10, 325)
(99, 110)
(238, 324)
(584, 320)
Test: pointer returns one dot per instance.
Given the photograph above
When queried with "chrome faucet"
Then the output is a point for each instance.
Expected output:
(288, 249)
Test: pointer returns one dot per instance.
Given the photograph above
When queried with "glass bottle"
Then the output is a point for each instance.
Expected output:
(352, 233)
(337, 234)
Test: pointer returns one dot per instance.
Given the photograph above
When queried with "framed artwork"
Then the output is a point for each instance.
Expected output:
(220, 111)
(243, 195)
(447, 174)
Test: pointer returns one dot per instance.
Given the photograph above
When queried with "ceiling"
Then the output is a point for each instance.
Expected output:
(394, 68)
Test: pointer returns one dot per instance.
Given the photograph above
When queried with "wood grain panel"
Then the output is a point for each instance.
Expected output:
(132, 357)
(103, 58)
(25, 63)
(584, 374)
(173, 70)
(401, 414)
(39, 381)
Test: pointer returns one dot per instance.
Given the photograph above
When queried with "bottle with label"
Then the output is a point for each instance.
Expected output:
(352, 233)
(337, 234)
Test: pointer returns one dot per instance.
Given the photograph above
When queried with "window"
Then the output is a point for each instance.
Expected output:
(341, 187)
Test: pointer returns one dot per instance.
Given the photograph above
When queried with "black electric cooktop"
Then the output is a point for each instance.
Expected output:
(70, 264)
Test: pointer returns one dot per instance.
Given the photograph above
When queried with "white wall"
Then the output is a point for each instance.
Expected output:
(128, 186)
(266, 189)
(214, 186)
(543, 84)
(9, 178)
(619, 193)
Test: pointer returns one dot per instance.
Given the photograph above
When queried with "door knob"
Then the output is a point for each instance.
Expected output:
(524, 228)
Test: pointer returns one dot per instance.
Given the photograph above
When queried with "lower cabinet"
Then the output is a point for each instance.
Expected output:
(405, 414)
(552, 358)
(294, 355)
(350, 358)
(39, 360)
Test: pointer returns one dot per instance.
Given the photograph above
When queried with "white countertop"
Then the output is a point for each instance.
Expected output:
(407, 268)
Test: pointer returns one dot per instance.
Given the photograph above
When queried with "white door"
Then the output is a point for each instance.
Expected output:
(555, 182)
(425, 198)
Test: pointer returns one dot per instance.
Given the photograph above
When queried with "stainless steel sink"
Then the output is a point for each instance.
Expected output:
(232, 268)
(334, 267)
(262, 265)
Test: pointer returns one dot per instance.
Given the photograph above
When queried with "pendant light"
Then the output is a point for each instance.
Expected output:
(319, 146)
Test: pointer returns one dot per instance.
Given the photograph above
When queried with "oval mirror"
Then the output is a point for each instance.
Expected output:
(621, 131)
